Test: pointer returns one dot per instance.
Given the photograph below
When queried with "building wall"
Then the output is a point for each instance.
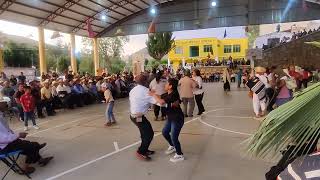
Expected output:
(217, 49)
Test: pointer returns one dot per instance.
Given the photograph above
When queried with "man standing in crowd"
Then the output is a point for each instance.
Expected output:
(187, 85)
(10, 141)
(22, 78)
(140, 101)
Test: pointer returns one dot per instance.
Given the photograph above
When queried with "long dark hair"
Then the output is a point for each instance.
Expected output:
(197, 71)
(159, 76)
(174, 83)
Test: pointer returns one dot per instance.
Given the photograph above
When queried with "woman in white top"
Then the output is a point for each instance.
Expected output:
(158, 85)
(198, 92)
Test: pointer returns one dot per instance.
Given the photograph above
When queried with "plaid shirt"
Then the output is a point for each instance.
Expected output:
(27, 102)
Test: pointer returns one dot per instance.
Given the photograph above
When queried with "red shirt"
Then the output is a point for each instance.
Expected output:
(27, 102)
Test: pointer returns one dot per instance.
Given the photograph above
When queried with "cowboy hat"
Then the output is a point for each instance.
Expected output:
(260, 69)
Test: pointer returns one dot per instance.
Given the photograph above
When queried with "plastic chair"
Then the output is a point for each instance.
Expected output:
(10, 159)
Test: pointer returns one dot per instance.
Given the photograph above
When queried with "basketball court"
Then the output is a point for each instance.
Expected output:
(213, 143)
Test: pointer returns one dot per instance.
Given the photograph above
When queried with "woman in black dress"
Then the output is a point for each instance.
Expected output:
(226, 80)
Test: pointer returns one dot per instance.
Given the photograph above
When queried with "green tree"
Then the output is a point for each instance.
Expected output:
(86, 64)
(20, 55)
(109, 47)
(63, 64)
(159, 44)
(252, 33)
(117, 65)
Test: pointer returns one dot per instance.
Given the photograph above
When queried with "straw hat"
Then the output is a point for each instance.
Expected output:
(260, 69)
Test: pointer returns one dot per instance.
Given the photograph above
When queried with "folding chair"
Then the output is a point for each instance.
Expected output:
(10, 159)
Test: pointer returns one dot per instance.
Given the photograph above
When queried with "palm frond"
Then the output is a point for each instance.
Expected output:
(314, 43)
(296, 122)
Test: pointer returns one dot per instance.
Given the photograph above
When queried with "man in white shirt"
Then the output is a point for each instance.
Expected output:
(10, 142)
(140, 101)
(64, 93)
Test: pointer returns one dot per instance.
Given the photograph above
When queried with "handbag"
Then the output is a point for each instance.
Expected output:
(291, 83)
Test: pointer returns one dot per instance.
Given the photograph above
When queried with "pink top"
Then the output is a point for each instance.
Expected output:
(284, 93)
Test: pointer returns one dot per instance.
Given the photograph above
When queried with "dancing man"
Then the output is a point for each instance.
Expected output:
(140, 101)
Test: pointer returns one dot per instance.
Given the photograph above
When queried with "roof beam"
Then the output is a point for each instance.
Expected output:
(57, 12)
(5, 5)
(122, 6)
(107, 8)
(90, 19)
(145, 2)
(129, 2)
(118, 23)
(54, 13)
(76, 12)
(157, 1)
(37, 17)
(93, 10)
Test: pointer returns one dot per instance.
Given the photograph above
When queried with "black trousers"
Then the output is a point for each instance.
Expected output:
(146, 134)
(270, 93)
(39, 106)
(157, 111)
(29, 149)
(199, 98)
(305, 83)
(48, 103)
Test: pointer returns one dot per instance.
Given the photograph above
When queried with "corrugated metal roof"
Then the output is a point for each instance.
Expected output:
(71, 16)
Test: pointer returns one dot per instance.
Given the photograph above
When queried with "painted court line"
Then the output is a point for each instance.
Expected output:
(238, 117)
(51, 120)
(67, 123)
(225, 130)
(116, 146)
(120, 150)
(61, 125)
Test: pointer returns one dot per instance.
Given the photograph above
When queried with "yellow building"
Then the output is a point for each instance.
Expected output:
(199, 49)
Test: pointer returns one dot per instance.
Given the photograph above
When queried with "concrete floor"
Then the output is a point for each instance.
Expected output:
(84, 149)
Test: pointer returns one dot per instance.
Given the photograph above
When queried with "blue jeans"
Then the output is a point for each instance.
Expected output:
(27, 116)
(109, 112)
(171, 132)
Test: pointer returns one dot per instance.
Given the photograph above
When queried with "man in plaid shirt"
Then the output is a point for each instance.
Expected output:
(28, 104)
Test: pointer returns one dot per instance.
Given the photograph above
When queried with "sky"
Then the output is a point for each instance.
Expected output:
(136, 42)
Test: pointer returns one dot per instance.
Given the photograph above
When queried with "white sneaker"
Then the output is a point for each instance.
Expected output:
(26, 128)
(177, 158)
(36, 127)
(170, 150)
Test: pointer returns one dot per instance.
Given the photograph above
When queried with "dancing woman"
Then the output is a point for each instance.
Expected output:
(175, 122)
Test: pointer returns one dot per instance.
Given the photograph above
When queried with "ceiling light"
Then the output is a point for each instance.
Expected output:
(153, 11)
(103, 17)
(213, 4)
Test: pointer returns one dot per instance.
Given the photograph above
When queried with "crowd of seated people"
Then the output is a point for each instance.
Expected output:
(67, 91)
(295, 36)
(232, 63)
